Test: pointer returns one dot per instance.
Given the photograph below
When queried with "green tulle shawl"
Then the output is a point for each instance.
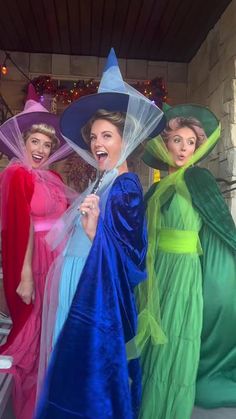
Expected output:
(149, 318)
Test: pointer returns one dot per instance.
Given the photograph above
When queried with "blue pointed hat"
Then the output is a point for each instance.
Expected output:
(112, 96)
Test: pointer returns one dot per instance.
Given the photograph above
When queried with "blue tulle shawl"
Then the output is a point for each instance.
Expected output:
(89, 376)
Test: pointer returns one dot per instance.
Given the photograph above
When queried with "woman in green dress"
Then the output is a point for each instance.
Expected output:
(191, 287)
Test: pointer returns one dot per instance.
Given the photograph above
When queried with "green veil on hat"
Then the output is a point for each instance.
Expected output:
(156, 154)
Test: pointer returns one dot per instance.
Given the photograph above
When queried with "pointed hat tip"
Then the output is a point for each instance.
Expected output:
(165, 107)
(31, 93)
(112, 81)
(32, 102)
(111, 60)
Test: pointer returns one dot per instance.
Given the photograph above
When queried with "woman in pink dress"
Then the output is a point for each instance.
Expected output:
(32, 199)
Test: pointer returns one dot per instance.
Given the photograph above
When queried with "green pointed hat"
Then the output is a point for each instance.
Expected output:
(207, 119)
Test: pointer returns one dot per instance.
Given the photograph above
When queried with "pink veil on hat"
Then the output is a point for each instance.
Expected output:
(12, 145)
(11, 140)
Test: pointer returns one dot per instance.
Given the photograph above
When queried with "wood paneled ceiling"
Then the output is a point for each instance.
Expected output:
(160, 30)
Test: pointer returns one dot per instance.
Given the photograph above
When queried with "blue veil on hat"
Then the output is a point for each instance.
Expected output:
(113, 95)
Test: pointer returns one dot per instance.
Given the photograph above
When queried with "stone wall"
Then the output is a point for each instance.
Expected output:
(212, 82)
(65, 67)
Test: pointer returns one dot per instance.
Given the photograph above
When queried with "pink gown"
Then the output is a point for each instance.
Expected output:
(47, 204)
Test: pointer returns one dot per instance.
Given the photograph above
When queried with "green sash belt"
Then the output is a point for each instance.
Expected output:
(179, 241)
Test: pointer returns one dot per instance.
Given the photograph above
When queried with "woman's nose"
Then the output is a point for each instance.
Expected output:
(40, 148)
(98, 140)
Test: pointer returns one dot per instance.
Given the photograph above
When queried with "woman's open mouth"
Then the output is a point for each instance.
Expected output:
(101, 155)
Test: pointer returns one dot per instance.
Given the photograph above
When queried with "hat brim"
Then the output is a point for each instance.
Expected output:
(153, 162)
(25, 122)
(207, 119)
(76, 116)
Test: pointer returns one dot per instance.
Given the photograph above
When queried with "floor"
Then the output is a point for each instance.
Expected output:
(223, 413)
(197, 413)
(8, 413)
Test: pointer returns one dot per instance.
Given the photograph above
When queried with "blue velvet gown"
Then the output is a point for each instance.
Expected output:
(89, 376)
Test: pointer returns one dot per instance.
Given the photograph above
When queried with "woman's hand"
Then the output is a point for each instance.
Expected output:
(90, 212)
(25, 289)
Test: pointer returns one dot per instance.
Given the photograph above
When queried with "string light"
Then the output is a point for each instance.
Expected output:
(4, 66)
(4, 70)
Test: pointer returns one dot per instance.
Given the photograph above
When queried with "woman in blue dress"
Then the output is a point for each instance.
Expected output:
(93, 370)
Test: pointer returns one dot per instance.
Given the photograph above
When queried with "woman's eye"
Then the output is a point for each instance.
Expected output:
(191, 142)
(92, 138)
(107, 135)
(176, 140)
(48, 146)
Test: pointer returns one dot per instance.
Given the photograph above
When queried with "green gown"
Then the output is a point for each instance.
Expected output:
(186, 274)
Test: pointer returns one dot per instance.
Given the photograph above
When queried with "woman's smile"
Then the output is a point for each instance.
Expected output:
(38, 148)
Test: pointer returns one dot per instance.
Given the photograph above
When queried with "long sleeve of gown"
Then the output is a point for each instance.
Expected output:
(208, 200)
(16, 192)
(88, 375)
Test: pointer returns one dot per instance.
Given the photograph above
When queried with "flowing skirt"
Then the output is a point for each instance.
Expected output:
(71, 271)
(170, 370)
(25, 348)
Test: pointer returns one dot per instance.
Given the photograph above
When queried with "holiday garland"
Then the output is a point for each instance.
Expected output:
(154, 90)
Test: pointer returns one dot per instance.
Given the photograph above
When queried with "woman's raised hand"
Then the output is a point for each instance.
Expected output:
(90, 212)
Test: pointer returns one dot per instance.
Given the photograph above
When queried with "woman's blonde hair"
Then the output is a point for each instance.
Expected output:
(45, 129)
(182, 122)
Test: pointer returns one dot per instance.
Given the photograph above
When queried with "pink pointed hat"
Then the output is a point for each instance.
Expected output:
(34, 113)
